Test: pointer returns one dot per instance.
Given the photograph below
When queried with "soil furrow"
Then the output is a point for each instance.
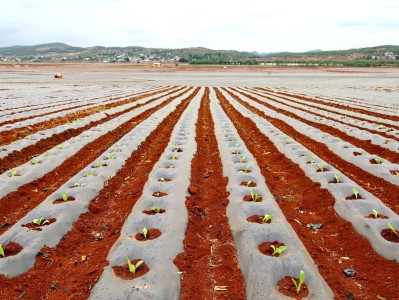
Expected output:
(17, 204)
(6, 137)
(380, 188)
(387, 154)
(303, 202)
(387, 136)
(340, 106)
(17, 158)
(71, 269)
(209, 258)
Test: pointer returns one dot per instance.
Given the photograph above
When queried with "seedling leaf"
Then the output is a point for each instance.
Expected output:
(278, 250)
(2, 251)
(337, 178)
(267, 218)
(355, 192)
(301, 281)
(375, 213)
(321, 167)
(13, 173)
(64, 196)
(393, 229)
(144, 232)
(249, 182)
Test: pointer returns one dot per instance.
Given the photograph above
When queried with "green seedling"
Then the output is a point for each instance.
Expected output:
(242, 158)
(253, 195)
(162, 179)
(393, 229)
(375, 213)
(247, 168)
(266, 218)
(249, 182)
(48, 154)
(28, 137)
(378, 161)
(144, 232)
(301, 281)
(133, 267)
(321, 167)
(64, 196)
(237, 145)
(111, 156)
(173, 158)
(89, 174)
(157, 209)
(311, 159)
(337, 178)
(61, 147)
(99, 165)
(2, 251)
(77, 184)
(355, 192)
(278, 250)
(34, 162)
(13, 173)
(40, 221)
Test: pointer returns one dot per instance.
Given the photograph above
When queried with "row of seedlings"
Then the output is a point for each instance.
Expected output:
(268, 249)
(78, 123)
(368, 125)
(369, 216)
(44, 163)
(370, 163)
(32, 111)
(48, 222)
(341, 111)
(153, 233)
(48, 117)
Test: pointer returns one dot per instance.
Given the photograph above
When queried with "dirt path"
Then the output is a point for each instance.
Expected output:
(302, 202)
(209, 258)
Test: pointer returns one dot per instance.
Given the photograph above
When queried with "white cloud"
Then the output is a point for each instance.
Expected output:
(253, 25)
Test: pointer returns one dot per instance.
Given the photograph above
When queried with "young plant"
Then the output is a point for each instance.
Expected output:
(375, 213)
(111, 156)
(61, 147)
(89, 174)
(133, 267)
(173, 157)
(13, 173)
(157, 209)
(34, 162)
(237, 145)
(393, 229)
(266, 218)
(321, 167)
(2, 251)
(253, 195)
(77, 184)
(144, 232)
(301, 281)
(40, 222)
(242, 158)
(278, 250)
(337, 178)
(355, 192)
(249, 182)
(64, 196)
(311, 159)
(48, 154)
(247, 168)
(378, 160)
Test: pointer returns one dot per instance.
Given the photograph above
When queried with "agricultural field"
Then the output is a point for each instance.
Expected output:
(208, 184)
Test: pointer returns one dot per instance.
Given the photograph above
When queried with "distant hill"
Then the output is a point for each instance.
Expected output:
(60, 52)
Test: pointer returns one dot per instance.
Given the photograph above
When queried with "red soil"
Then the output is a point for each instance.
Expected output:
(209, 257)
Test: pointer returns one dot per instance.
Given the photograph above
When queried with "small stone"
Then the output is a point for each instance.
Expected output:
(53, 286)
(349, 272)
(193, 190)
(314, 226)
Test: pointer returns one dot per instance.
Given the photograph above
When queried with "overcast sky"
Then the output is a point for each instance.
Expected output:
(257, 25)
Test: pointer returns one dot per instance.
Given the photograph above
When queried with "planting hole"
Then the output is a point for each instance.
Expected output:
(11, 249)
(260, 219)
(159, 194)
(272, 248)
(389, 235)
(61, 200)
(38, 227)
(123, 271)
(151, 234)
(248, 183)
(164, 179)
(286, 287)
(154, 210)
